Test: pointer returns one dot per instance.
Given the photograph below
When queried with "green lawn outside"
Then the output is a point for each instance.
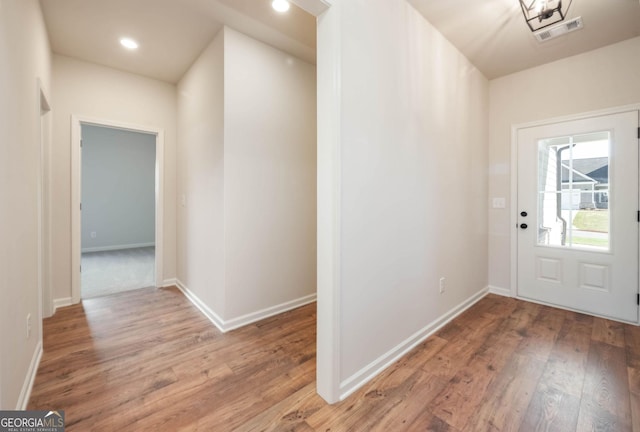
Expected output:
(592, 220)
(584, 241)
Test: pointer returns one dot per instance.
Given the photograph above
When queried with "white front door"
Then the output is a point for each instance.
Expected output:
(578, 214)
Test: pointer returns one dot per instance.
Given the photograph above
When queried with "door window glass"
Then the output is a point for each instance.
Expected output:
(573, 191)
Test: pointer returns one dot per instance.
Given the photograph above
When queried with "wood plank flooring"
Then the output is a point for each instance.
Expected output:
(147, 360)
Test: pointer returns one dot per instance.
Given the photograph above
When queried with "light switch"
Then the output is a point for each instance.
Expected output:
(499, 203)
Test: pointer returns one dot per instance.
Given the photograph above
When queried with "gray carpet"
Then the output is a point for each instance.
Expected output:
(111, 272)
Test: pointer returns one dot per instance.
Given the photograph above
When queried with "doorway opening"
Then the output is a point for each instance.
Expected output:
(118, 210)
(117, 182)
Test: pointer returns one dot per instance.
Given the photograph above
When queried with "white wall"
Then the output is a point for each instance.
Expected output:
(95, 91)
(270, 175)
(24, 56)
(606, 77)
(200, 252)
(411, 184)
(247, 170)
(118, 188)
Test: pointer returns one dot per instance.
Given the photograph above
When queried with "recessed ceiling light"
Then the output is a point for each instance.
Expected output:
(280, 5)
(129, 43)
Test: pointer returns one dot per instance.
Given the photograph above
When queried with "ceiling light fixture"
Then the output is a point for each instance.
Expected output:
(542, 13)
(129, 43)
(280, 5)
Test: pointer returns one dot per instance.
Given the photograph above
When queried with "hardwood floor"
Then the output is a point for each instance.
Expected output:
(147, 360)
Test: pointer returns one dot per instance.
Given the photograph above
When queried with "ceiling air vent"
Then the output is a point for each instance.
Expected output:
(559, 29)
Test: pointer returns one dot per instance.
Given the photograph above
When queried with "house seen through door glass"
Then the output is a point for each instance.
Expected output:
(573, 191)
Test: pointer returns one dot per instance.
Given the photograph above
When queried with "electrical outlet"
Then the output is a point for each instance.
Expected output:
(94, 234)
(442, 288)
(28, 326)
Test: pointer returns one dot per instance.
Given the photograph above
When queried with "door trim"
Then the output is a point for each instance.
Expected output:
(44, 114)
(513, 210)
(76, 237)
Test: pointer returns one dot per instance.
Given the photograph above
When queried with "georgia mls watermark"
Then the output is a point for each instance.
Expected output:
(31, 421)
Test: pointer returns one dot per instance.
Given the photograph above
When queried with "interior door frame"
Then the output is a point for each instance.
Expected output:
(513, 213)
(76, 182)
(44, 202)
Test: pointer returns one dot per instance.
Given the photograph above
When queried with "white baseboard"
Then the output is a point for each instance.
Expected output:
(117, 247)
(232, 324)
(213, 317)
(268, 312)
(367, 373)
(25, 393)
(61, 302)
(505, 292)
(169, 282)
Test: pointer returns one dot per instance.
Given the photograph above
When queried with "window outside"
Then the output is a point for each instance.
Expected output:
(573, 191)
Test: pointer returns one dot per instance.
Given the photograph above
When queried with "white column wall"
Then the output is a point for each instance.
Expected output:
(270, 176)
(412, 185)
(201, 256)
(247, 170)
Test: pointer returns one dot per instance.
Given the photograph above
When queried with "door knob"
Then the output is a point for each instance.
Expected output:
(523, 226)
(523, 214)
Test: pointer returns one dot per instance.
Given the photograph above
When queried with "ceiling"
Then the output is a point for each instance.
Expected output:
(171, 33)
(493, 34)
